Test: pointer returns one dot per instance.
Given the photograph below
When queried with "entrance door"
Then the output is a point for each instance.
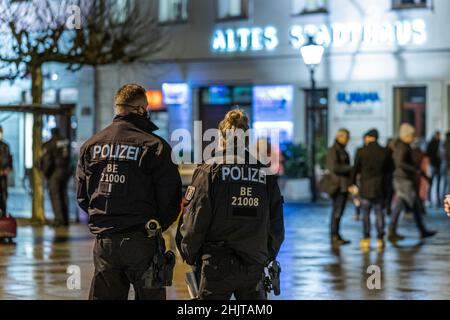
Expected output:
(410, 107)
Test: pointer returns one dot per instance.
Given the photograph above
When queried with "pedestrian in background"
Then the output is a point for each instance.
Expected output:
(434, 154)
(338, 164)
(371, 164)
(389, 178)
(423, 177)
(405, 182)
(447, 162)
(55, 164)
(6, 166)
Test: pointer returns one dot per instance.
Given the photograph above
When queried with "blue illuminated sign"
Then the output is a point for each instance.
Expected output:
(175, 93)
(350, 98)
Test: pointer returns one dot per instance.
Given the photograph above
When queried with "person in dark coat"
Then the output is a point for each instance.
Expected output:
(389, 179)
(338, 163)
(433, 153)
(6, 166)
(371, 164)
(447, 161)
(55, 164)
(405, 184)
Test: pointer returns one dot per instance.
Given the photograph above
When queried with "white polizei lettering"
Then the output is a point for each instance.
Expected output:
(254, 175)
(136, 155)
(106, 151)
(97, 151)
(225, 172)
(123, 149)
(234, 170)
(115, 154)
(130, 153)
(238, 173)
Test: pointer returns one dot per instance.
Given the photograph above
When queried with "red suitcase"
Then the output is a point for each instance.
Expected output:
(8, 227)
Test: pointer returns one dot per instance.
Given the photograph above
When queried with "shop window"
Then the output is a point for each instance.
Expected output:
(300, 7)
(411, 4)
(173, 11)
(232, 9)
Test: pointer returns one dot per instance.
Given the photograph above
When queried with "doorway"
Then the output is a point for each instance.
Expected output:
(410, 107)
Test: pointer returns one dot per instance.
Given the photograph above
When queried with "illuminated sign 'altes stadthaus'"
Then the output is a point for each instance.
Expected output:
(400, 33)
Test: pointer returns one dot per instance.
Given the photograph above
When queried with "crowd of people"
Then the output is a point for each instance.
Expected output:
(393, 179)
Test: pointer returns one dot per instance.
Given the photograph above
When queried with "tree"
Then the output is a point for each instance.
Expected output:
(75, 33)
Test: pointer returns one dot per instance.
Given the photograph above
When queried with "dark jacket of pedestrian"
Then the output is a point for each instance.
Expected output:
(372, 164)
(447, 152)
(6, 161)
(405, 166)
(338, 163)
(433, 152)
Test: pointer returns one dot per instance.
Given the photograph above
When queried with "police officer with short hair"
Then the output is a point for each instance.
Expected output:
(55, 164)
(6, 165)
(233, 223)
(125, 178)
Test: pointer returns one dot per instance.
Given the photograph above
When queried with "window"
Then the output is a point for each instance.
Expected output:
(410, 4)
(309, 6)
(232, 9)
(173, 11)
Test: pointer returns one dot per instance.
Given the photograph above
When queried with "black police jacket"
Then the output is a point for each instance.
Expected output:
(56, 158)
(125, 177)
(372, 163)
(237, 205)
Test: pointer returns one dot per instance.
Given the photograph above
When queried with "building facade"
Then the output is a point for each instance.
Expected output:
(386, 62)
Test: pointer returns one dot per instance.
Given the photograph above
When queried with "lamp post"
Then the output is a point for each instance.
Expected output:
(312, 54)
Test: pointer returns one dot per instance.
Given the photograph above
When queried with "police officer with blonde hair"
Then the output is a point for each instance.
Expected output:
(232, 225)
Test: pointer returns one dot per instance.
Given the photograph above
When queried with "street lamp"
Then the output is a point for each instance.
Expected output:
(312, 54)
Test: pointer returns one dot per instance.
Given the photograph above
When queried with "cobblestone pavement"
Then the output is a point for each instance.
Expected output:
(35, 268)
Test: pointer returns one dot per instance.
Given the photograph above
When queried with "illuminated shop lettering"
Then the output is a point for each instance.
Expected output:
(244, 39)
(388, 33)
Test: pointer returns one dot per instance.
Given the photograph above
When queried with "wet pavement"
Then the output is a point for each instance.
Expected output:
(35, 268)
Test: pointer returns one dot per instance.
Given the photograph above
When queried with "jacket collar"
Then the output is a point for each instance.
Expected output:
(139, 121)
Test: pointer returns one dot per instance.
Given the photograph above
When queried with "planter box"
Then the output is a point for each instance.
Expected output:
(295, 190)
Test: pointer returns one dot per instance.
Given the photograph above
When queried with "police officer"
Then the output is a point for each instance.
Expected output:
(6, 165)
(125, 178)
(233, 223)
(55, 164)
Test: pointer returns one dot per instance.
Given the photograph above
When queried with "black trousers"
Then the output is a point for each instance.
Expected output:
(339, 202)
(366, 207)
(435, 177)
(57, 188)
(403, 206)
(3, 194)
(223, 276)
(120, 261)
